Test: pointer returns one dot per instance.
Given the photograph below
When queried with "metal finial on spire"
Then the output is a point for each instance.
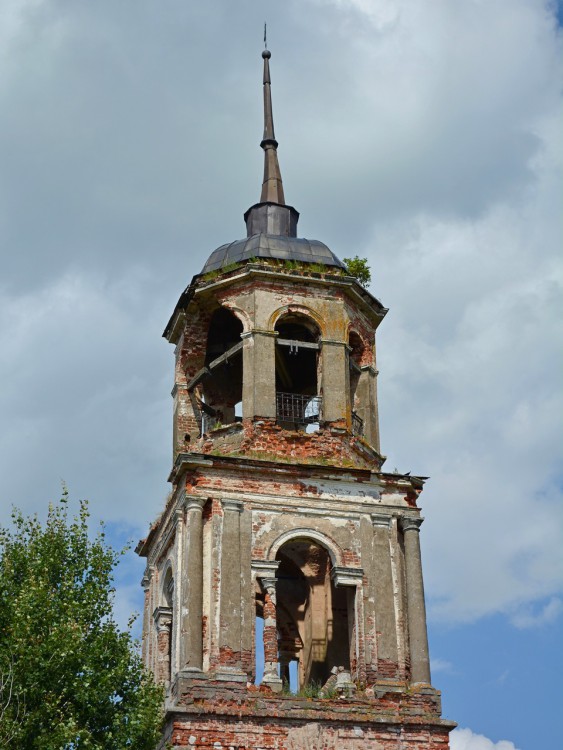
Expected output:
(265, 37)
(272, 187)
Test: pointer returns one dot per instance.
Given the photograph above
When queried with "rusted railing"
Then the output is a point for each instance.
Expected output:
(298, 409)
(357, 424)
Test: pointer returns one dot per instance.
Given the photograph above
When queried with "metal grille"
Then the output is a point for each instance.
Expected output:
(297, 408)
(357, 424)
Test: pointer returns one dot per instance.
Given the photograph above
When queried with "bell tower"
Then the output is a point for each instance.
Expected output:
(284, 601)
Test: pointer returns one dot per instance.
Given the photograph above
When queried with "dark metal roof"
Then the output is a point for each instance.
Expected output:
(272, 246)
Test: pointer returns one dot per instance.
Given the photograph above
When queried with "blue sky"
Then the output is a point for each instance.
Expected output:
(424, 135)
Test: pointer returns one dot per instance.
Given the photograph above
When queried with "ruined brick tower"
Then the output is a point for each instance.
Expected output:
(284, 603)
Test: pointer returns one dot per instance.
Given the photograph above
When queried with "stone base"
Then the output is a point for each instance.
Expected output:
(273, 682)
(219, 717)
(230, 674)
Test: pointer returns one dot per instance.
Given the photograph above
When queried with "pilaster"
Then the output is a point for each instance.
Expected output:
(387, 661)
(230, 656)
(259, 382)
(192, 587)
(335, 380)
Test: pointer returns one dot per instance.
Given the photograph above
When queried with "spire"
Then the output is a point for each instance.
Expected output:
(272, 187)
(271, 216)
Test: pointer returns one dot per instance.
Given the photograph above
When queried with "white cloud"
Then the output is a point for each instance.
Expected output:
(84, 400)
(465, 739)
(529, 617)
(441, 665)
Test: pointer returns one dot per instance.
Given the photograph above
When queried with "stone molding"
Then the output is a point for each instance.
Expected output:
(379, 520)
(147, 576)
(265, 568)
(269, 585)
(332, 548)
(347, 576)
(193, 502)
(162, 618)
(259, 332)
(410, 523)
(235, 505)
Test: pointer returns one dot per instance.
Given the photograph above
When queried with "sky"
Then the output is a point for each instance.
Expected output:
(424, 135)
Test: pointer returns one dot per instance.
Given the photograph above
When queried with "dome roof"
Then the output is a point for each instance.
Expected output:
(272, 246)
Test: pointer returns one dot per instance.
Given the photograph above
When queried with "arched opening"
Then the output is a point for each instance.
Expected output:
(221, 379)
(356, 354)
(312, 614)
(164, 626)
(298, 404)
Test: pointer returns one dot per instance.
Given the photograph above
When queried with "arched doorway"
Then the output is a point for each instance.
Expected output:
(312, 613)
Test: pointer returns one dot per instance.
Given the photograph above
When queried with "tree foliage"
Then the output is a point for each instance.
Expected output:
(359, 268)
(69, 678)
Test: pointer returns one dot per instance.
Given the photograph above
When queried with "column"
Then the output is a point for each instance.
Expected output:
(163, 622)
(271, 677)
(192, 587)
(416, 610)
(230, 597)
(335, 381)
(366, 393)
(259, 374)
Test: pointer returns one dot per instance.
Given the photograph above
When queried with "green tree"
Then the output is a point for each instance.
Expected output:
(359, 268)
(69, 678)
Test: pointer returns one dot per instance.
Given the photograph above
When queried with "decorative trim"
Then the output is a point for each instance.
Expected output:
(229, 504)
(260, 332)
(162, 618)
(410, 523)
(265, 568)
(193, 502)
(380, 521)
(269, 585)
(334, 342)
(330, 545)
(347, 576)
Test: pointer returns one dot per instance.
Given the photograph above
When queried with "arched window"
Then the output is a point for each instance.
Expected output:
(222, 381)
(163, 616)
(357, 348)
(298, 403)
